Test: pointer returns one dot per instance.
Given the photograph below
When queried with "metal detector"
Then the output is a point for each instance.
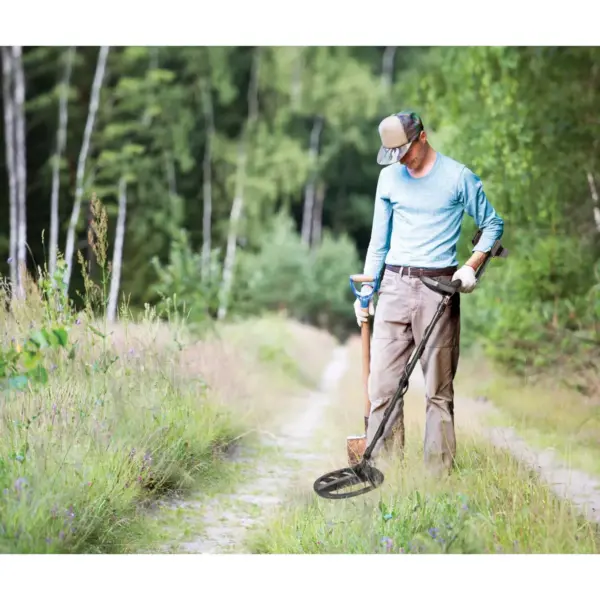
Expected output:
(363, 477)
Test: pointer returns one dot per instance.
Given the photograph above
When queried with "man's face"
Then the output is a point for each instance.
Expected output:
(414, 157)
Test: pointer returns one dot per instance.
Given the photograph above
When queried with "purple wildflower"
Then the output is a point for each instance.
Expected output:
(19, 483)
(433, 531)
(387, 542)
(9, 260)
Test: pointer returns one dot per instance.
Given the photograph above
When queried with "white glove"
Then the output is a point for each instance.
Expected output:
(362, 314)
(466, 275)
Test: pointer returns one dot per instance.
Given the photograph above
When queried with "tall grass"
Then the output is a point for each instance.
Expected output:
(98, 419)
(490, 504)
(547, 413)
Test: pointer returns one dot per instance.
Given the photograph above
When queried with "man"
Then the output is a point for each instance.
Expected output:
(419, 205)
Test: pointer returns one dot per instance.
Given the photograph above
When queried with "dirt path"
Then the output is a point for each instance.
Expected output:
(272, 471)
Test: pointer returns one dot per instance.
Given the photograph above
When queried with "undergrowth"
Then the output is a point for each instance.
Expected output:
(97, 419)
(490, 505)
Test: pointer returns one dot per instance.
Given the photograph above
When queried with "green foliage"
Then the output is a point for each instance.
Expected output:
(21, 365)
(180, 286)
(526, 311)
(523, 118)
(309, 285)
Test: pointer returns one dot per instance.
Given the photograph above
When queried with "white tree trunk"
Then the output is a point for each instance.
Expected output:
(309, 192)
(296, 91)
(387, 68)
(9, 141)
(89, 126)
(317, 225)
(21, 165)
(207, 179)
(117, 261)
(596, 199)
(238, 201)
(61, 139)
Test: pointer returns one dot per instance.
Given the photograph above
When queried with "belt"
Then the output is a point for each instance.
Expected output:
(421, 272)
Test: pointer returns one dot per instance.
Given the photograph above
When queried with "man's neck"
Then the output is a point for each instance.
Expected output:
(426, 165)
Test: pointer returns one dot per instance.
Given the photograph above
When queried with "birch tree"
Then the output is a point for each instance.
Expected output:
(117, 261)
(207, 106)
(61, 139)
(238, 200)
(317, 216)
(9, 140)
(387, 69)
(87, 134)
(595, 200)
(309, 193)
(21, 164)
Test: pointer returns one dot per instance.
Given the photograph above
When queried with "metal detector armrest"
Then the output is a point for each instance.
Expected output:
(446, 288)
(497, 251)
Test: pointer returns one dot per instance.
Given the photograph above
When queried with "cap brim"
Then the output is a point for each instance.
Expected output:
(388, 156)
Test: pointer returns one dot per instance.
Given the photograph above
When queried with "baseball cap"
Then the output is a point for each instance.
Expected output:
(397, 133)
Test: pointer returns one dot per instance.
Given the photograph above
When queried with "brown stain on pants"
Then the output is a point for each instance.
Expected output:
(404, 310)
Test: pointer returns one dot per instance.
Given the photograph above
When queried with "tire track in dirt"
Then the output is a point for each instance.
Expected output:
(573, 485)
(226, 518)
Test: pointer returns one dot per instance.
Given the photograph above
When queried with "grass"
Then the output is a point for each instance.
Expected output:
(545, 413)
(127, 416)
(490, 504)
(100, 420)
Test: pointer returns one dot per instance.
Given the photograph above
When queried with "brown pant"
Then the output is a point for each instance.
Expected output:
(404, 310)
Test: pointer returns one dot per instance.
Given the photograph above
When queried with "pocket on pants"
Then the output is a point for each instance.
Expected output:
(393, 315)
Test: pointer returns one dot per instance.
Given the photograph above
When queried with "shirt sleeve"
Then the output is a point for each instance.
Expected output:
(477, 205)
(381, 229)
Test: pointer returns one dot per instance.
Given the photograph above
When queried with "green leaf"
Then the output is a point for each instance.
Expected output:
(31, 359)
(39, 374)
(61, 337)
(96, 331)
(40, 339)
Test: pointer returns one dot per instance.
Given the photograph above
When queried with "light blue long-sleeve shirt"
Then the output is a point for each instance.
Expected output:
(417, 221)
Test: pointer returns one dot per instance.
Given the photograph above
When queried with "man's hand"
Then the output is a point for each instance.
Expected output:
(362, 314)
(466, 274)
